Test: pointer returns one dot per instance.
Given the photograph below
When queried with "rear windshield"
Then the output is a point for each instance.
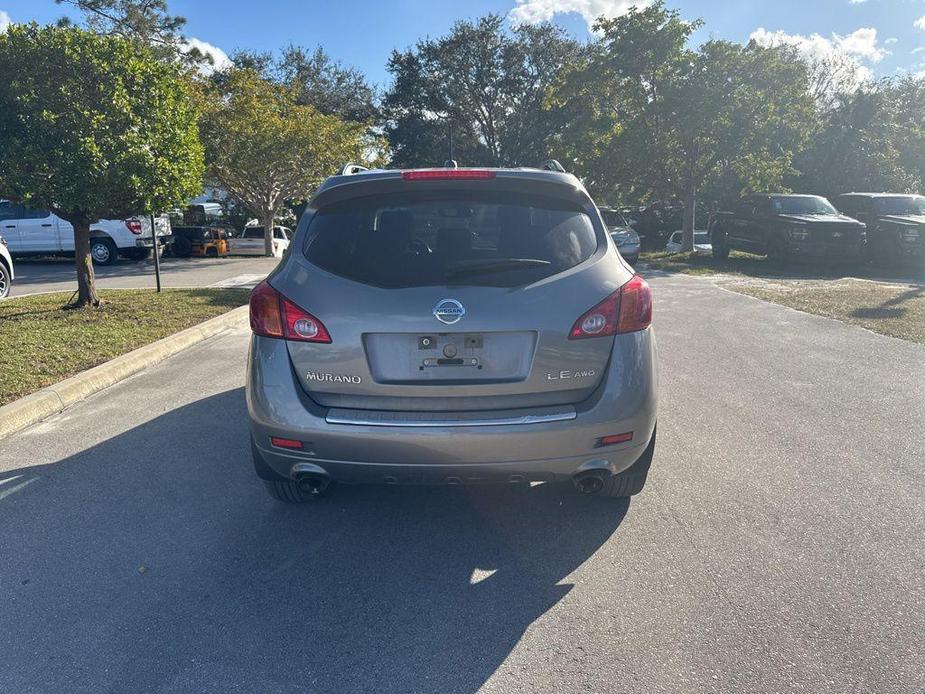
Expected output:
(428, 239)
(612, 218)
(253, 233)
(911, 204)
(803, 205)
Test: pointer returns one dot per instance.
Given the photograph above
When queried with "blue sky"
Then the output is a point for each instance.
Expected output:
(881, 35)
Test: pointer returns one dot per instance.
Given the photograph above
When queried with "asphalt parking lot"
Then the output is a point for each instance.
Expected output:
(52, 275)
(778, 547)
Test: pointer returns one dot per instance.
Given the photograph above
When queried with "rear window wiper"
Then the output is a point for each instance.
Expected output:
(478, 267)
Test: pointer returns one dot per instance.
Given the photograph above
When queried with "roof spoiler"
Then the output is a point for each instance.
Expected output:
(350, 169)
(553, 165)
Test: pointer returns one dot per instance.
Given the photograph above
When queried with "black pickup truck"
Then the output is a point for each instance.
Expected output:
(895, 224)
(787, 226)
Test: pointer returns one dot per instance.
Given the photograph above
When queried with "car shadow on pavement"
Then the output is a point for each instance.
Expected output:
(155, 560)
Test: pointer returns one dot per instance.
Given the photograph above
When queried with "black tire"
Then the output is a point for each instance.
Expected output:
(103, 251)
(718, 241)
(5, 282)
(286, 491)
(280, 488)
(632, 480)
(182, 247)
(776, 248)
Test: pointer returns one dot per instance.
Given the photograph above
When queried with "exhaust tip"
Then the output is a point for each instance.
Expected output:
(590, 482)
(313, 485)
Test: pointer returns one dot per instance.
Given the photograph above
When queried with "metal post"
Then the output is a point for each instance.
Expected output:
(452, 153)
(157, 260)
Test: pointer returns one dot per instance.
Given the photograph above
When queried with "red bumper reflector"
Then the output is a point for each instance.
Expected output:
(285, 443)
(617, 438)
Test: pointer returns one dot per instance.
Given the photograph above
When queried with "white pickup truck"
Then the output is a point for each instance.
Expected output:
(39, 232)
(6, 270)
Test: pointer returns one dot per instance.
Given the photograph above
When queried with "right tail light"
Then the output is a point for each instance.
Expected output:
(627, 310)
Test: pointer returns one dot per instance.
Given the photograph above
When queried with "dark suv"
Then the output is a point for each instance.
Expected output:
(787, 226)
(895, 224)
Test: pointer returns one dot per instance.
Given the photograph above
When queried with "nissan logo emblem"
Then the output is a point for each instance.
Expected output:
(449, 311)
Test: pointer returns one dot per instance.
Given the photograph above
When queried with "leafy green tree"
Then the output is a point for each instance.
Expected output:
(481, 88)
(146, 22)
(265, 149)
(418, 135)
(131, 19)
(832, 76)
(323, 83)
(870, 140)
(908, 97)
(316, 79)
(93, 127)
(653, 117)
(261, 62)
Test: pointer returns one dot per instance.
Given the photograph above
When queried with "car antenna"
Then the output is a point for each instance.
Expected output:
(553, 165)
(450, 164)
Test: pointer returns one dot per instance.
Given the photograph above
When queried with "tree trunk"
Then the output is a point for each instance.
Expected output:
(267, 221)
(86, 280)
(690, 219)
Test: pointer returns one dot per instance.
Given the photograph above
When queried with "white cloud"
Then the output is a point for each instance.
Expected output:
(859, 47)
(220, 59)
(5, 21)
(862, 43)
(890, 41)
(534, 11)
(920, 23)
(857, 2)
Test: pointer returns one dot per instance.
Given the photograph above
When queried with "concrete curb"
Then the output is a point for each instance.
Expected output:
(54, 398)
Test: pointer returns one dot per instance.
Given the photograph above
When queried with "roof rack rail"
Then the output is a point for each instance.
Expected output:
(553, 165)
(351, 169)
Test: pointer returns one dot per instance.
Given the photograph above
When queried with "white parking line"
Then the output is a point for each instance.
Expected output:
(238, 281)
(12, 490)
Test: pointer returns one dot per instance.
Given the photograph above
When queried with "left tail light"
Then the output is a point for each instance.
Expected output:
(273, 315)
(627, 310)
(134, 225)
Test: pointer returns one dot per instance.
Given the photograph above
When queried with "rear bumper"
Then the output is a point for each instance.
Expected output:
(625, 402)
(629, 250)
(244, 250)
(145, 241)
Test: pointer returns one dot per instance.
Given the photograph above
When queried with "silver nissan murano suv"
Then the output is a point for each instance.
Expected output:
(452, 326)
